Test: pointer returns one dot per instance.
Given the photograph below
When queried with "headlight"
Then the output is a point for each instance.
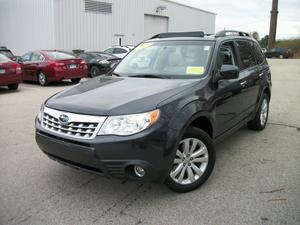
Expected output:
(128, 124)
(40, 114)
(103, 61)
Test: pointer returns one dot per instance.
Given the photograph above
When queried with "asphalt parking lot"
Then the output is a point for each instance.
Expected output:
(256, 178)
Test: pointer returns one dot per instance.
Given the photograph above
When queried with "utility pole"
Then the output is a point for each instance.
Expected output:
(273, 24)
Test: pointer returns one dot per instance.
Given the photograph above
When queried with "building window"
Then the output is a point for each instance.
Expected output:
(97, 7)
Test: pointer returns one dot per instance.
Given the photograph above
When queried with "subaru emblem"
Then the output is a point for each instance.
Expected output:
(63, 119)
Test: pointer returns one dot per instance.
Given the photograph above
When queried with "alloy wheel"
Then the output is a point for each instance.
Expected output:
(264, 112)
(190, 162)
(42, 79)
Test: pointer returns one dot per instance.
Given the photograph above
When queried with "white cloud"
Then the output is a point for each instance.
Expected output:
(253, 15)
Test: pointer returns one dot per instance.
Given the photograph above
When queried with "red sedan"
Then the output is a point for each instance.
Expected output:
(10, 73)
(48, 66)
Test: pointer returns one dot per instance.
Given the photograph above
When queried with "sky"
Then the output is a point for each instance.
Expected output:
(252, 15)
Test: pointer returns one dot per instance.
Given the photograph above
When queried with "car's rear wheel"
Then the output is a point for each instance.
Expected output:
(261, 118)
(95, 71)
(13, 86)
(42, 79)
(75, 80)
(193, 162)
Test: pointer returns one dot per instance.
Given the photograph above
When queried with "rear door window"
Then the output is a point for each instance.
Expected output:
(246, 54)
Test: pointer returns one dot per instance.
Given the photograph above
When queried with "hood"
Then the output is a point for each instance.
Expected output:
(117, 95)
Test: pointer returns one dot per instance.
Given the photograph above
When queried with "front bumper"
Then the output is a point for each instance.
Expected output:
(112, 156)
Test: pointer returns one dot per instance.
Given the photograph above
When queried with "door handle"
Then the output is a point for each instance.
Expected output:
(243, 83)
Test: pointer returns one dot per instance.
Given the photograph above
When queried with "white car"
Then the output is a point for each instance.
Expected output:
(119, 51)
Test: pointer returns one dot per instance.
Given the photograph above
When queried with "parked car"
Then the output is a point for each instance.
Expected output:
(264, 50)
(48, 66)
(99, 62)
(162, 110)
(8, 53)
(10, 73)
(279, 53)
(119, 51)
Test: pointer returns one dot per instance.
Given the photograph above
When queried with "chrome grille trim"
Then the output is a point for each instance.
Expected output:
(79, 125)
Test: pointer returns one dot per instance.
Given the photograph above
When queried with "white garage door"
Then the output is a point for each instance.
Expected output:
(155, 25)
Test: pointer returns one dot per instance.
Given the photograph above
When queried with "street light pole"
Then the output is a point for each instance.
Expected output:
(273, 24)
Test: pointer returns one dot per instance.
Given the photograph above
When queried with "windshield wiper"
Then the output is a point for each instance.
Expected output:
(150, 76)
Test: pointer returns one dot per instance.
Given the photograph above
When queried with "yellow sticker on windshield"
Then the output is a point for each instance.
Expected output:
(143, 45)
(198, 70)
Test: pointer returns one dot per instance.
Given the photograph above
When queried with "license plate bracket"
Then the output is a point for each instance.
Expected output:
(72, 66)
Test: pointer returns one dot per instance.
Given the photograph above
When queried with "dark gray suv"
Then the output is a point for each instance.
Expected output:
(158, 115)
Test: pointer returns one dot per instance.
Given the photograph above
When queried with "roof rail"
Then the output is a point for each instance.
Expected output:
(225, 33)
(179, 34)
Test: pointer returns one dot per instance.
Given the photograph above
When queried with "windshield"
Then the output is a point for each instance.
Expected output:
(3, 58)
(7, 53)
(60, 55)
(170, 58)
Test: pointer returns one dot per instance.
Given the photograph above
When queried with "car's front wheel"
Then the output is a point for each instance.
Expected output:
(193, 162)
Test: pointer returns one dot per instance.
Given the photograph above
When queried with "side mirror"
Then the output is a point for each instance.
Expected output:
(228, 72)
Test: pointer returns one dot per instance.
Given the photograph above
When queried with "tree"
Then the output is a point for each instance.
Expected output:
(255, 35)
(264, 41)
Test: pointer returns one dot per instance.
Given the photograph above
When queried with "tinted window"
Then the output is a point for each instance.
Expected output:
(110, 51)
(260, 57)
(60, 55)
(83, 56)
(36, 57)
(246, 54)
(3, 58)
(226, 55)
(119, 51)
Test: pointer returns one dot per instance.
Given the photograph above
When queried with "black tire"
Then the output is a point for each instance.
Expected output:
(257, 123)
(13, 86)
(95, 71)
(198, 134)
(42, 79)
(75, 80)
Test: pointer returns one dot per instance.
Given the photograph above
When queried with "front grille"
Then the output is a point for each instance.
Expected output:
(78, 125)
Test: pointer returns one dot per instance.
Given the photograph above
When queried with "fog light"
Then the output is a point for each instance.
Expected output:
(139, 171)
